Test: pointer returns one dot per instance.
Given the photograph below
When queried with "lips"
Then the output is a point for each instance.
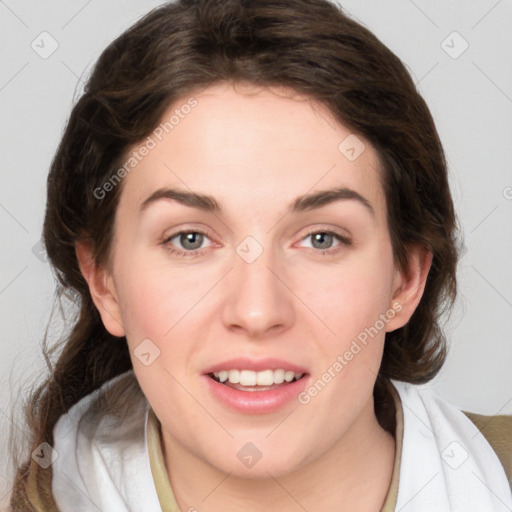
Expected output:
(255, 399)
(252, 386)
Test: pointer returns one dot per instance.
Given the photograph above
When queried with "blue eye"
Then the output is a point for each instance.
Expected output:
(323, 240)
(192, 242)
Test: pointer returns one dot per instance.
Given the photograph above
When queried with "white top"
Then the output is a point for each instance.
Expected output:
(103, 459)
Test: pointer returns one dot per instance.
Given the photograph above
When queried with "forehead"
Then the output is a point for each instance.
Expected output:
(249, 147)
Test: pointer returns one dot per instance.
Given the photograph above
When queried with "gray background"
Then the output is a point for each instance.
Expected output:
(470, 96)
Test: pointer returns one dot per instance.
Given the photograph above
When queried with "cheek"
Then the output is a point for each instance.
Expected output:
(351, 301)
(155, 297)
(142, 303)
(348, 299)
(157, 308)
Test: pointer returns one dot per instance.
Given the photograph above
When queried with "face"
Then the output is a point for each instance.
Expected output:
(256, 283)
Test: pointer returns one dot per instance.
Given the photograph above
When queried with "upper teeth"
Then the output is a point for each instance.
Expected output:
(250, 378)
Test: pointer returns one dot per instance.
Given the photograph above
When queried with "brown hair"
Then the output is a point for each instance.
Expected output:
(310, 46)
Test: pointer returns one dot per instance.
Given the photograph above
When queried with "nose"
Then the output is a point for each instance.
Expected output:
(258, 303)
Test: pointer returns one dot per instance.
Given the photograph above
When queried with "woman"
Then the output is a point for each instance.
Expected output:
(275, 362)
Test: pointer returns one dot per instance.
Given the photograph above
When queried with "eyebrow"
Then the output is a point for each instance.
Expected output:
(303, 203)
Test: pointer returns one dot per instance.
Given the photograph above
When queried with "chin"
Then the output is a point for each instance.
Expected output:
(250, 464)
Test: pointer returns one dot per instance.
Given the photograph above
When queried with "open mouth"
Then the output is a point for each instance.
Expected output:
(248, 380)
(267, 387)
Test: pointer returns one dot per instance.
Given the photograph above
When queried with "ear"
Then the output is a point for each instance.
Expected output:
(101, 286)
(408, 286)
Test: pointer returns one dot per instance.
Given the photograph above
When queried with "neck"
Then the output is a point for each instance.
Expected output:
(354, 474)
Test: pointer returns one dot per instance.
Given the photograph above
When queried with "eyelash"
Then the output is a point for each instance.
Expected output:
(344, 242)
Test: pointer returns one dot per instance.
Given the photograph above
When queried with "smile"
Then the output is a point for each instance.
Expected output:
(252, 379)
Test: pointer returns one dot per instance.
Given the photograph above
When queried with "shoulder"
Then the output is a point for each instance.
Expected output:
(108, 424)
(105, 410)
(497, 430)
(479, 434)
(100, 446)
